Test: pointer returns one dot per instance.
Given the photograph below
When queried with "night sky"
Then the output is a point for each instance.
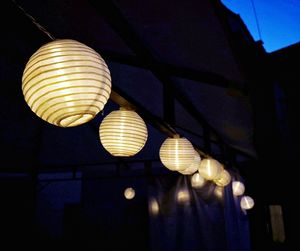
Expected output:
(278, 20)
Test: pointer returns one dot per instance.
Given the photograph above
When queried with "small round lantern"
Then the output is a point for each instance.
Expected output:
(210, 169)
(66, 83)
(123, 133)
(247, 202)
(223, 179)
(129, 193)
(176, 153)
(238, 188)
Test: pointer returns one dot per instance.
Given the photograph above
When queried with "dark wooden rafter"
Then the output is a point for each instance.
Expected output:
(171, 70)
(116, 20)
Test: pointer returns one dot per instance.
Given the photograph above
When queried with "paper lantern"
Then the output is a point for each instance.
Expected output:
(129, 193)
(219, 192)
(194, 166)
(223, 179)
(66, 83)
(210, 169)
(123, 133)
(197, 181)
(238, 188)
(247, 202)
(176, 153)
(153, 207)
(183, 196)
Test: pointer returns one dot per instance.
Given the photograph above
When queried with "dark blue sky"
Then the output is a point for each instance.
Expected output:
(278, 20)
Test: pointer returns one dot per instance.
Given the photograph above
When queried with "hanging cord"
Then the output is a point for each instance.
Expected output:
(40, 27)
(256, 19)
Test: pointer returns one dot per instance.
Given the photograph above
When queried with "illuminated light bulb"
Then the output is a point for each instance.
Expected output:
(129, 193)
(66, 83)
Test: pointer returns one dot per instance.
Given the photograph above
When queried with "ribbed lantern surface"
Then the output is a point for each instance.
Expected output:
(66, 83)
(123, 133)
(176, 153)
(210, 169)
(194, 166)
(223, 179)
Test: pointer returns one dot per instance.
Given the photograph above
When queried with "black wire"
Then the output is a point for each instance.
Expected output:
(40, 27)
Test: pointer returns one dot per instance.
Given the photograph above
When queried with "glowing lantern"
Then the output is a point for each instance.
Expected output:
(66, 83)
(194, 166)
(238, 188)
(223, 179)
(210, 169)
(183, 196)
(176, 153)
(153, 207)
(123, 133)
(129, 193)
(197, 181)
(246, 202)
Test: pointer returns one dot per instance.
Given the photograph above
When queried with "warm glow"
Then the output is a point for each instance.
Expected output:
(129, 193)
(153, 207)
(223, 179)
(194, 166)
(176, 153)
(66, 83)
(238, 188)
(247, 202)
(183, 196)
(219, 192)
(210, 169)
(197, 180)
(123, 133)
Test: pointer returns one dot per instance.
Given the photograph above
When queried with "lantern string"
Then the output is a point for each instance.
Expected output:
(33, 20)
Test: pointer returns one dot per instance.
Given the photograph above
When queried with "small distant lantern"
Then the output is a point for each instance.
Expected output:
(197, 181)
(210, 169)
(129, 193)
(176, 153)
(123, 133)
(153, 207)
(183, 196)
(66, 83)
(223, 179)
(238, 188)
(247, 202)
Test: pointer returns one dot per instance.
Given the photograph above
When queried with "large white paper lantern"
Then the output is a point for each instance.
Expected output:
(66, 83)
(210, 169)
(223, 179)
(238, 188)
(247, 202)
(194, 166)
(123, 133)
(176, 153)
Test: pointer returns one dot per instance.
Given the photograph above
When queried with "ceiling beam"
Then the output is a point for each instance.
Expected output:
(172, 70)
(119, 23)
